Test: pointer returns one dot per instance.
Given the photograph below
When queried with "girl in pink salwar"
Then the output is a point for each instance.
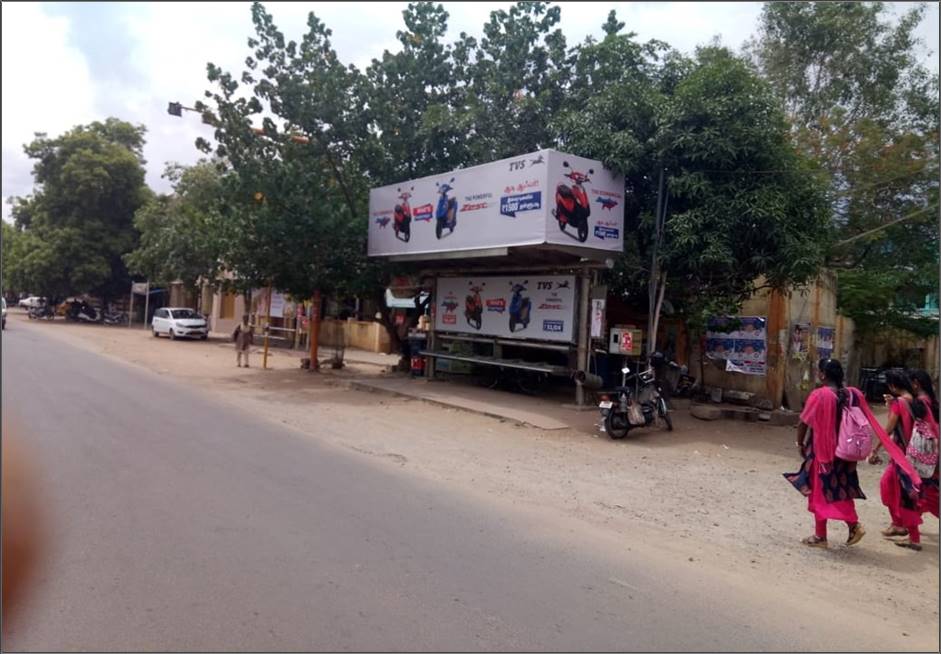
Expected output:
(906, 505)
(830, 484)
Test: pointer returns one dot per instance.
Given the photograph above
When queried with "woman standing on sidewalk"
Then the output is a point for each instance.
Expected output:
(244, 338)
(898, 492)
(830, 484)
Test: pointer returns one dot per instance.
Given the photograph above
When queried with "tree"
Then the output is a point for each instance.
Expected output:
(79, 221)
(862, 105)
(180, 233)
(296, 216)
(740, 204)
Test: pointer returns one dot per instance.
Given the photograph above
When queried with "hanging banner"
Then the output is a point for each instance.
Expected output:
(540, 307)
(538, 198)
(743, 348)
(597, 318)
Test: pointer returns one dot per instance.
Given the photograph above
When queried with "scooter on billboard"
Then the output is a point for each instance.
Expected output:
(474, 307)
(520, 308)
(446, 213)
(571, 203)
(403, 216)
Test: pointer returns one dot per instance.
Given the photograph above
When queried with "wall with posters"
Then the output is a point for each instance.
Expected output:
(539, 307)
(802, 325)
(741, 343)
(511, 202)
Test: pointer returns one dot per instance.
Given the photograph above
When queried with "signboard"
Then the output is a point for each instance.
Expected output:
(597, 318)
(744, 349)
(277, 304)
(140, 288)
(534, 199)
(539, 307)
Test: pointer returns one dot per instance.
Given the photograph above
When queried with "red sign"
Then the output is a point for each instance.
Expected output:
(627, 341)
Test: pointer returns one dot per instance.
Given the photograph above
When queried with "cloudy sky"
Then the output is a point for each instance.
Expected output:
(70, 63)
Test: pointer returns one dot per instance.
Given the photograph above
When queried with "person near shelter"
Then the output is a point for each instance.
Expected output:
(244, 338)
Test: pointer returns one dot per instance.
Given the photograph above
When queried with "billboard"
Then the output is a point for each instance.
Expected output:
(534, 199)
(540, 307)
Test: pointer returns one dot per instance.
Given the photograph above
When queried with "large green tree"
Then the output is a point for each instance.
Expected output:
(741, 208)
(78, 223)
(180, 232)
(862, 105)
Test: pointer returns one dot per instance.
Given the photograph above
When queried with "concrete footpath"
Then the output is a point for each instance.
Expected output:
(537, 412)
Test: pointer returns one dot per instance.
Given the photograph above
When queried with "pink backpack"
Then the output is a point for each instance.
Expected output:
(854, 440)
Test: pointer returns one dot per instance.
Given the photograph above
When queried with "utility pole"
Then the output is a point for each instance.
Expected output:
(652, 284)
(264, 363)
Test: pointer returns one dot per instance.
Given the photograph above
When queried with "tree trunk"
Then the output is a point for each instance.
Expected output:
(315, 330)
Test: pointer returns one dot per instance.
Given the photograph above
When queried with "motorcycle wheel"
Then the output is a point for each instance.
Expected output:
(665, 414)
(583, 231)
(438, 229)
(407, 235)
(616, 424)
(512, 325)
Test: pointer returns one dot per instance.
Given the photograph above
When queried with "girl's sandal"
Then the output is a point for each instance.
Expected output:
(814, 541)
(892, 531)
(908, 544)
(856, 535)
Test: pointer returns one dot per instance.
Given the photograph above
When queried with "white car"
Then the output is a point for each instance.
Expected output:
(32, 302)
(179, 323)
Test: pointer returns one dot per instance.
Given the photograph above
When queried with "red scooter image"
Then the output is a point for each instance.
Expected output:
(474, 307)
(571, 203)
(403, 216)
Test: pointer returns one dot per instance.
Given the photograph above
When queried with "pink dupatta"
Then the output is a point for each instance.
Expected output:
(893, 450)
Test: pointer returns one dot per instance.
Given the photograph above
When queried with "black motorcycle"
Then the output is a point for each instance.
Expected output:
(639, 403)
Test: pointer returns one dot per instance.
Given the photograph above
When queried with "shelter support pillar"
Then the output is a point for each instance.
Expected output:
(584, 327)
(432, 342)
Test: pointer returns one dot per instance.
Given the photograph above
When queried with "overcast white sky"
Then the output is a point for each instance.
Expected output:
(70, 63)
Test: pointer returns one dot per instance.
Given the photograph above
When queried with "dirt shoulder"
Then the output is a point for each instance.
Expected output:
(709, 494)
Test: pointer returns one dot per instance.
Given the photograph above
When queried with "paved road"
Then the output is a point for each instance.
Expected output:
(178, 523)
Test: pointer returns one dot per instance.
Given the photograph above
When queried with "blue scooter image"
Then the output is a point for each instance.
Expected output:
(520, 307)
(446, 213)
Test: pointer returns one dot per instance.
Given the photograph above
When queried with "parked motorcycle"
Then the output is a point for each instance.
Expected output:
(571, 203)
(520, 308)
(82, 312)
(114, 318)
(403, 216)
(474, 307)
(639, 404)
(446, 212)
(43, 312)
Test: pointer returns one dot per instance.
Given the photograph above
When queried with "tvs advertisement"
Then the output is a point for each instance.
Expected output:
(524, 307)
(544, 197)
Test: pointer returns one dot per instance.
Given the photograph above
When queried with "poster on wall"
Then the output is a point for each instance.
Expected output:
(740, 341)
(825, 342)
(800, 340)
(540, 307)
(533, 199)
